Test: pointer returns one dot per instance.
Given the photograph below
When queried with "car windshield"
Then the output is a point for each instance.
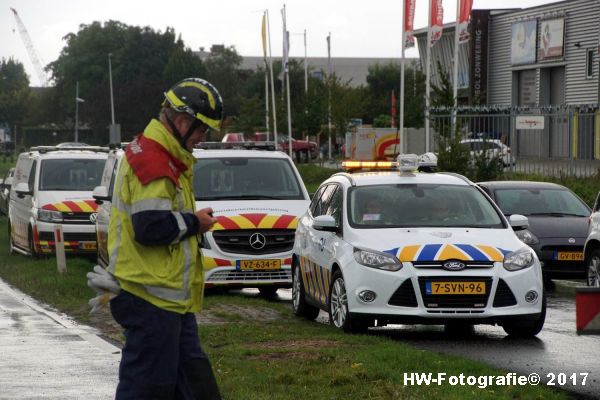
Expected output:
(71, 174)
(420, 205)
(552, 202)
(245, 179)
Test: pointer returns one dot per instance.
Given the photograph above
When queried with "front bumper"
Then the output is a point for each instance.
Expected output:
(547, 253)
(402, 295)
(224, 270)
(78, 239)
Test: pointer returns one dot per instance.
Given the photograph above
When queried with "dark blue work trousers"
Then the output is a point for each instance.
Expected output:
(162, 357)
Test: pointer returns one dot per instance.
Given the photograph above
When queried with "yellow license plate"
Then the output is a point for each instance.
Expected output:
(435, 288)
(569, 256)
(260, 265)
(88, 245)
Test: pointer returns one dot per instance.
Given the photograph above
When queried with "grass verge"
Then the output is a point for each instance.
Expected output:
(279, 357)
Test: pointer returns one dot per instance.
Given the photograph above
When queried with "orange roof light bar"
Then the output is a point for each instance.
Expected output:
(350, 164)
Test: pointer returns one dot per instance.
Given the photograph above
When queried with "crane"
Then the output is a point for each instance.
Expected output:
(35, 60)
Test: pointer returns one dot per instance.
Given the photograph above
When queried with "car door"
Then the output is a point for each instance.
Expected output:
(310, 266)
(325, 242)
(20, 208)
(102, 219)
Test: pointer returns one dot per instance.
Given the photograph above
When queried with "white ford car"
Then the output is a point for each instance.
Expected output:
(414, 248)
(257, 197)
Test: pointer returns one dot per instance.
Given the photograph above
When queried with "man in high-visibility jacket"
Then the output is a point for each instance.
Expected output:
(154, 252)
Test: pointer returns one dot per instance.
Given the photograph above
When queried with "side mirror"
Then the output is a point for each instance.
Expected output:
(325, 223)
(100, 194)
(518, 222)
(23, 190)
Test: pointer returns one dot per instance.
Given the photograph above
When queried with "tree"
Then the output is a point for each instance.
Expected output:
(182, 64)
(139, 65)
(382, 79)
(14, 92)
(251, 117)
(222, 70)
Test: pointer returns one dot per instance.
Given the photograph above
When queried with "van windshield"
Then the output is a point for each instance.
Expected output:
(245, 178)
(73, 174)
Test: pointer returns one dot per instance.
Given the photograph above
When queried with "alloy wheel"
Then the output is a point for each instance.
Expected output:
(339, 303)
(593, 271)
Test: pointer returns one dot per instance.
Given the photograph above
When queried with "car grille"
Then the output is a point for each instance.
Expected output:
(76, 218)
(234, 275)
(404, 296)
(69, 236)
(455, 301)
(438, 264)
(238, 241)
(504, 296)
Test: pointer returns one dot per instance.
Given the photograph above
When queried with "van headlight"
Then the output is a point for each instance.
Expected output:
(527, 236)
(522, 258)
(377, 259)
(49, 216)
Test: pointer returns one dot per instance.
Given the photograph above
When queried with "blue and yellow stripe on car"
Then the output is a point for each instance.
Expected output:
(442, 252)
(316, 280)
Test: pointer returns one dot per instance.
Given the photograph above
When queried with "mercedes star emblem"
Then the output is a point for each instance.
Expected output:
(257, 241)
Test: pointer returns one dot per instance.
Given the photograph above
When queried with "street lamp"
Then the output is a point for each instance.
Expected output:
(77, 101)
(112, 105)
(114, 130)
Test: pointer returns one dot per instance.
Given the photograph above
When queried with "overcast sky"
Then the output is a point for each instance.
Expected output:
(358, 28)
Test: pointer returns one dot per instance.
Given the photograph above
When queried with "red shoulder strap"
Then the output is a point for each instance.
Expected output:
(150, 160)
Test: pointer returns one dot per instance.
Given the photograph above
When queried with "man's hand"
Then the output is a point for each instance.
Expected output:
(205, 219)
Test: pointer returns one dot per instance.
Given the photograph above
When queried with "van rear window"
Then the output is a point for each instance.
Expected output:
(71, 174)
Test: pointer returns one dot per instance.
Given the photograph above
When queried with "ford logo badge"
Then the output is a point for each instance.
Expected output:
(454, 265)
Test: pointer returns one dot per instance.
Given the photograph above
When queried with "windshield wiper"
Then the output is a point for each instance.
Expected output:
(559, 214)
(243, 197)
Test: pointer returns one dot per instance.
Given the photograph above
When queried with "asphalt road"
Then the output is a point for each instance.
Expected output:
(556, 350)
(45, 355)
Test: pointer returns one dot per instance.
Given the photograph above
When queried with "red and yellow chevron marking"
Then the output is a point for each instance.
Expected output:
(88, 206)
(48, 246)
(256, 221)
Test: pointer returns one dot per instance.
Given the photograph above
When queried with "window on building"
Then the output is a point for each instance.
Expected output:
(589, 63)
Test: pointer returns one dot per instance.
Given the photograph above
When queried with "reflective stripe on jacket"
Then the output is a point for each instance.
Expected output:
(170, 275)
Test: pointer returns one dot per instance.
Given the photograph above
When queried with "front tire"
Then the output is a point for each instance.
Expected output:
(527, 328)
(32, 249)
(11, 243)
(299, 305)
(593, 269)
(339, 315)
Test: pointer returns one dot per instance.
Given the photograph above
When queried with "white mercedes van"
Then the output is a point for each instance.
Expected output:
(53, 185)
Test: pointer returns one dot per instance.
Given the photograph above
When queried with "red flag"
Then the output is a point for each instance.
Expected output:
(463, 20)
(409, 20)
(436, 22)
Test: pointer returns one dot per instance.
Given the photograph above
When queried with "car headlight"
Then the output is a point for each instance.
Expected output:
(49, 216)
(522, 258)
(377, 259)
(527, 236)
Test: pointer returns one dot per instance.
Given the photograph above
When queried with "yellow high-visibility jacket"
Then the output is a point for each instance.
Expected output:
(153, 197)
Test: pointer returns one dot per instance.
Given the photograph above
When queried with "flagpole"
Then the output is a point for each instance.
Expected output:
(263, 35)
(455, 76)
(286, 76)
(305, 66)
(401, 125)
(329, 89)
(428, 78)
(272, 83)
